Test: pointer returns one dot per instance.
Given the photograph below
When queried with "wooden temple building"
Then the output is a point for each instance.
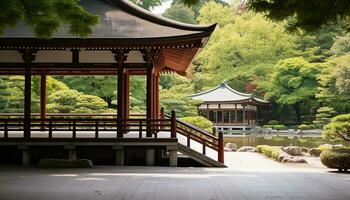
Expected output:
(228, 109)
(128, 41)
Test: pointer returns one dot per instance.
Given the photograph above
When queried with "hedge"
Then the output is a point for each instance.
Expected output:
(269, 151)
(277, 126)
(336, 159)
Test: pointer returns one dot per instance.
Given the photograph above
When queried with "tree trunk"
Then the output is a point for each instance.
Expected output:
(296, 107)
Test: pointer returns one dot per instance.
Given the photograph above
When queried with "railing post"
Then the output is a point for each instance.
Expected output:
(96, 129)
(74, 129)
(173, 124)
(221, 148)
(162, 114)
(6, 130)
(140, 129)
(214, 131)
(50, 128)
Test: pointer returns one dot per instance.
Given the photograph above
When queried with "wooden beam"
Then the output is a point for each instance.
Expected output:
(27, 58)
(42, 100)
(149, 89)
(120, 115)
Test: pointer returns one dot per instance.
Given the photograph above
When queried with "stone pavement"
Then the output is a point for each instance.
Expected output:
(250, 176)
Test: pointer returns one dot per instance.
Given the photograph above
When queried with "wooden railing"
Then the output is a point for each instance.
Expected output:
(87, 125)
(193, 133)
(102, 123)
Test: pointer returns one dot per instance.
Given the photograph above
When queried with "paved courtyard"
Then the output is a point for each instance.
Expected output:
(249, 176)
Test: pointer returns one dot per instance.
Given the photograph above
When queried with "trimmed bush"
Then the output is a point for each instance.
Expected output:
(303, 127)
(277, 126)
(324, 147)
(273, 122)
(269, 151)
(336, 159)
(62, 163)
(200, 122)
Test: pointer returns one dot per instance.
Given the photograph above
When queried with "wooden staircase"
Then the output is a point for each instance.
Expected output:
(191, 137)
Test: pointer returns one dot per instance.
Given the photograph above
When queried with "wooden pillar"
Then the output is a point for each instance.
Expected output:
(248, 116)
(28, 58)
(221, 147)
(236, 120)
(120, 115)
(150, 91)
(126, 94)
(244, 114)
(42, 100)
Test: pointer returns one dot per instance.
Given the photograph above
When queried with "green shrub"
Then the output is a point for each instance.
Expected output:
(336, 159)
(324, 147)
(200, 122)
(273, 122)
(269, 151)
(338, 129)
(303, 127)
(276, 127)
(268, 126)
(279, 127)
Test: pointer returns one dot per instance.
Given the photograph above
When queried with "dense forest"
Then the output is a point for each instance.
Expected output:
(305, 75)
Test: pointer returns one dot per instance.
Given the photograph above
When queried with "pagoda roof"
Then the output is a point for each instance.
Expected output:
(224, 93)
(121, 19)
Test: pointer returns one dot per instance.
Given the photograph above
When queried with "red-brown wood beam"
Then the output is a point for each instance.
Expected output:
(42, 100)
(126, 94)
(120, 115)
(28, 58)
(149, 95)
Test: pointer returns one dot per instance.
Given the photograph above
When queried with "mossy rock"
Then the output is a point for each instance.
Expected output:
(336, 159)
(314, 152)
(63, 163)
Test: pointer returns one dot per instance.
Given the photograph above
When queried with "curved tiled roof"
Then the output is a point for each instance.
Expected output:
(121, 19)
(224, 93)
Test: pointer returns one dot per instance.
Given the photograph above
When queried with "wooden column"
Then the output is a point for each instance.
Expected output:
(221, 147)
(120, 115)
(28, 58)
(126, 94)
(244, 114)
(150, 90)
(42, 100)
(236, 120)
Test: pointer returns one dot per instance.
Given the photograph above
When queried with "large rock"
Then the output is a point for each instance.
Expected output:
(292, 159)
(247, 149)
(314, 152)
(293, 150)
(282, 156)
(231, 147)
(304, 149)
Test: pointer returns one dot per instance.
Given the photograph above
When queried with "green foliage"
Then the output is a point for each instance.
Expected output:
(325, 147)
(102, 86)
(72, 101)
(46, 16)
(181, 13)
(273, 122)
(148, 4)
(336, 158)
(4, 94)
(216, 13)
(200, 122)
(334, 90)
(294, 82)
(308, 15)
(303, 127)
(269, 151)
(341, 45)
(177, 97)
(323, 116)
(276, 126)
(338, 129)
